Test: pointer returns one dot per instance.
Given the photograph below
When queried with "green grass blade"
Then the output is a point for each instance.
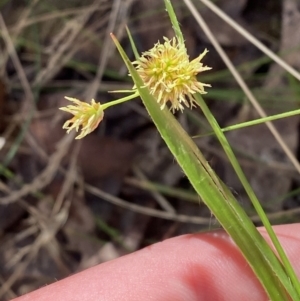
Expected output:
(234, 162)
(174, 21)
(254, 122)
(216, 196)
(135, 52)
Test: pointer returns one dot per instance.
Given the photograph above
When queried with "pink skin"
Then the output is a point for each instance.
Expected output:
(204, 266)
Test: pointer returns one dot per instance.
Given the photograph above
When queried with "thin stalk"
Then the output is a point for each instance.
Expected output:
(174, 21)
(290, 271)
(216, 195)
(254, 122)
(135, 51)
(118, 101)
(227, 148)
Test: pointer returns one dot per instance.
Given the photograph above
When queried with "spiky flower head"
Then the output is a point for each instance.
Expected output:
(87, 116)
(169, 74)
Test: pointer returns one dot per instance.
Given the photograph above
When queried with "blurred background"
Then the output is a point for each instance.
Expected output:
(67, 205)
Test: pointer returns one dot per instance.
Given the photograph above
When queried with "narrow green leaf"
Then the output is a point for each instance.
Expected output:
(216, 195)
(135, 52)
(174, 21)
(254, 122)
(235, 164)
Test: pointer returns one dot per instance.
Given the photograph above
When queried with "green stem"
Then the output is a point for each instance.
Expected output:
(249, 190)
(254, 122)
(216, 195)
(174, 21)
(118, 101)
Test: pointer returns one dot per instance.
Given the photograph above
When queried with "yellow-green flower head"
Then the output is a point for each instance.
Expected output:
(87, 116)
(169, 74)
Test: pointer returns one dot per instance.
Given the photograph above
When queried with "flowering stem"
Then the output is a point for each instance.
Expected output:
(177, 85)
(118, 101)
(256, 204)
(253, 122)
(174, 21)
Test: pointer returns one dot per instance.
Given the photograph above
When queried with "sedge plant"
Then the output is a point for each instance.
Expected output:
(166, 80)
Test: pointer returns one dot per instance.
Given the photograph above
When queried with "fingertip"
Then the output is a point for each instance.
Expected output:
(205, 266)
